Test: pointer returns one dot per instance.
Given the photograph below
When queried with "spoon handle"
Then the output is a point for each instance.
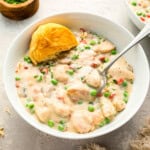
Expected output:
(144, 32)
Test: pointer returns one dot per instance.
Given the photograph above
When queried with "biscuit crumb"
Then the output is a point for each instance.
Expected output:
(2, 133)
(7, 110)
(142, 141)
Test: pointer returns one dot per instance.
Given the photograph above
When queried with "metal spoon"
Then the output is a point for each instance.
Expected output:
(144, 32)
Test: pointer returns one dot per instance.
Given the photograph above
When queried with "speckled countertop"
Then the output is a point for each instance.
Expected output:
(21, 136)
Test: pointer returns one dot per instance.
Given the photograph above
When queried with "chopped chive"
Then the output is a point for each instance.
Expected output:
(93, 92)
(51, 123)
(27, 59)
(80, 49)
(17, 78)
(61, 127)
(91, 103)
(124, 83)
(62, 122)
(52, 75)
(39, 78)
(35, 76)
(65, 87)
(125, 99)
(115, 81)
(104, 122)
(70, 72)
(74, 57)
(87, 47)
(80, 102)
(134, 3)
(107, 94)
(107, 84)
(54, 81)
(144, 15)
(82, 78)
(92, 42)
(91, 108)
(114, 52)
(98, 42)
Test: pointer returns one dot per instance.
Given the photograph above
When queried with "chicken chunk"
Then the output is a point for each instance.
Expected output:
(93, 79)
(43, 113)
(86, 57)
(59, 73)
(104, 47)
(79, 91)
(121, 69)
(107, 107)
(61, 109)
(84, 121)
(118, 102)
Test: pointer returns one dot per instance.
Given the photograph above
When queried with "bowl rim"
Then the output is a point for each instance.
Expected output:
(80, 136)
(141, 24)
(9, 6)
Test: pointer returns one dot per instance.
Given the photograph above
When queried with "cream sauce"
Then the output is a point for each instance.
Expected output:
(62, 93)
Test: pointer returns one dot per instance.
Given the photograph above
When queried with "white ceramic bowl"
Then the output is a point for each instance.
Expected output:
(134, 18)
(114, 32)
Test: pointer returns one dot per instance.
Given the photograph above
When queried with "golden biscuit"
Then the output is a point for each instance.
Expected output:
(50, 39)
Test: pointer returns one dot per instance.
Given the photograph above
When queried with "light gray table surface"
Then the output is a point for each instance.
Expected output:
(21, 136)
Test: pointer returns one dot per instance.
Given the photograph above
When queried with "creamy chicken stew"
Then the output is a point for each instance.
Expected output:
(141, 8)
(62, 93)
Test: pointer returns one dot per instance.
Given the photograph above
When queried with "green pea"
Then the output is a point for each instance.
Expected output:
(134, 3)
(124, 83)
(54, 81)
(92, 42)
(139, 13)
(93, 92)
(114, 52)
(51, 123)
(61, 127)
(30, 105)
(17, 78)
(70, 72)
(107, 94)
(104, 122)
(106, 60)
(91, 108)
(125, 93)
